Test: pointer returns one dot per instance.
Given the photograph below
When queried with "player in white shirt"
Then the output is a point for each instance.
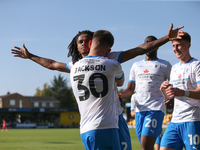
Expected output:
(93, 82)
(80, 38)
(135, 109)
(78, 49)
(145, 78)
(184, 89)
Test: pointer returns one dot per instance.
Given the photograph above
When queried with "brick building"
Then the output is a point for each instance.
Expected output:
(19, 109)
(18, 101)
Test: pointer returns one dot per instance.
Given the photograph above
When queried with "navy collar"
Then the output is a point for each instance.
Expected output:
(93, 56)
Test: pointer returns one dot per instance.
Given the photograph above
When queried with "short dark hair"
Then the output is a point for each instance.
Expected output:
(186, 37)
(104, 38)
(151, 36)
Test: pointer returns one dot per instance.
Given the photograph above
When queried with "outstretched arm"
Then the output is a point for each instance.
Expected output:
(45, 62)
(147, 47)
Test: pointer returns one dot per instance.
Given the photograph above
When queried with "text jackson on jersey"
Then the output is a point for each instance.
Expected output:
(90, 68)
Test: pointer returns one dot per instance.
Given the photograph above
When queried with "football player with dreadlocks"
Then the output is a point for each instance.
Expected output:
(79, 48)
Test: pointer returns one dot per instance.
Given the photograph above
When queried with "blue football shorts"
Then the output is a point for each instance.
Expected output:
(184, 134)
(148, 123)
(124, 134)
(158, 139)
(105, 139)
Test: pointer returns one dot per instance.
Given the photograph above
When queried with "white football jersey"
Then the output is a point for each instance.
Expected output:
(93, 83)
(148, 76)
(112, 55)
(186, 77)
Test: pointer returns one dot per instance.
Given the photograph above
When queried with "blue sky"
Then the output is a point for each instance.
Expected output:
(47, 27)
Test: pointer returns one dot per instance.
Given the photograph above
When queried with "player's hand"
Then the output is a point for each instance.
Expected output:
(169, 102)
(120, 97)
(174, 91)
(164, 88)
(19, 52)
(164, 85)
(175, 34)
(132, 113)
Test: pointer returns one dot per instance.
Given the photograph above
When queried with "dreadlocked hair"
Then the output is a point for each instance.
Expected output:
(73, 51)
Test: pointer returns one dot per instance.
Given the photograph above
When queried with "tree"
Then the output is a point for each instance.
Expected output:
(63, 93)
(60, 91)
(45, 92)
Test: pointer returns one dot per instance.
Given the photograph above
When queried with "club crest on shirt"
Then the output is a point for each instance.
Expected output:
(157, 66)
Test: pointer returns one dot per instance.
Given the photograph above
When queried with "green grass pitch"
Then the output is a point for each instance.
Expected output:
(47, 139)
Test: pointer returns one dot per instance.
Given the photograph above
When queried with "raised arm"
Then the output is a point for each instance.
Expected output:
(147, 47)
(45, 62)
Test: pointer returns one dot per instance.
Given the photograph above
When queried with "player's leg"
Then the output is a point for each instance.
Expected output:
(190, 133)
(152, 127)
(157, 146)
(167, 148)
(171, 139)
(3, 127)
(124, 135)
(158, 140)
(139, 120)
(147, 142)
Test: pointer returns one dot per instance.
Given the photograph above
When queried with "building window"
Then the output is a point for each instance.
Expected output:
(20, 103)
(44, 104)
(36, 104)
(12, 102)
(51, 104)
